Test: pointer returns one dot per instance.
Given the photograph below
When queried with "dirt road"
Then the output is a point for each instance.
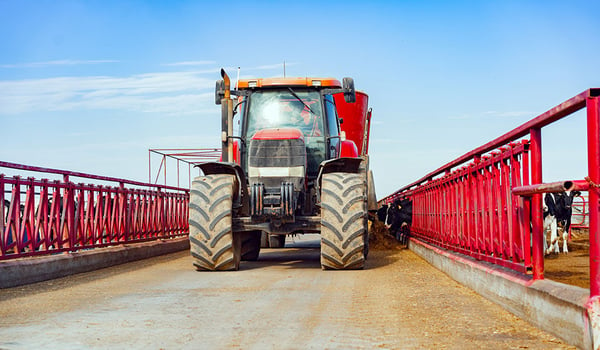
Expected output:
(282, 301)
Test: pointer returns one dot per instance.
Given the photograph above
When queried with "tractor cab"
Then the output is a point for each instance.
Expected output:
(288, 127)
(313, 115)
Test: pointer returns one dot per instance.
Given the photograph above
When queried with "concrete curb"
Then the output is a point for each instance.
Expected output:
(36, 269)
(554, 307)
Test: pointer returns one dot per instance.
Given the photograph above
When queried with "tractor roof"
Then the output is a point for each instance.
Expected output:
(277, 82)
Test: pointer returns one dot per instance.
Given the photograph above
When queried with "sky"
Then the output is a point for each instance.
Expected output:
(90, 86)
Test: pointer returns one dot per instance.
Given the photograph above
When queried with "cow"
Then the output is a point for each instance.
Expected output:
(397, 218)
(558, 210)
(382, 213)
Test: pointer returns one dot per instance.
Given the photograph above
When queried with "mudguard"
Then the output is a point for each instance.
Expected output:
(241, 200)
(339, 165)
(351, 165)
(343, 165)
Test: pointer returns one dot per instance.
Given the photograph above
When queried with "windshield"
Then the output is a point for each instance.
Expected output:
(281, 109)
(300, 109)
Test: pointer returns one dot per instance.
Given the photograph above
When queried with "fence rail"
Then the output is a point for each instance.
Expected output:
(42, 216)
(472, 204)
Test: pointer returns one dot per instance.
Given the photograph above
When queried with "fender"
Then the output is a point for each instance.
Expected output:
(241, 190)
(339, 165)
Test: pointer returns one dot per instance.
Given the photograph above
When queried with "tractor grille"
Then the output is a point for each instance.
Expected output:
(277, 153)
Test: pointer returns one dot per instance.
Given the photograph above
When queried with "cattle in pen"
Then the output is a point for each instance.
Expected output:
(557, 212)
(397, 218)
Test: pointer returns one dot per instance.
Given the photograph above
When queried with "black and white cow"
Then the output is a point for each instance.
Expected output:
(397, 218)
(382, 213)
(557, 211)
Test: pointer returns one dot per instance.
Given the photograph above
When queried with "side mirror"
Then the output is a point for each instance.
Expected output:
(341, 120)
(349, 92)
(219, 91)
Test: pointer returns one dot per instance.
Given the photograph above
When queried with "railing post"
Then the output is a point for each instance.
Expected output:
(165, 170)
(2, 238)
(161, 212)
(536, 210)
(124, 227)
(593, 129)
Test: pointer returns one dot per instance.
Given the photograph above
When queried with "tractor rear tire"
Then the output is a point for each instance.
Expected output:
(213, 244)
(276, 241)
(343, 221)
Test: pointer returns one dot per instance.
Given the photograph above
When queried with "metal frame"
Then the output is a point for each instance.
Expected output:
(190, 156)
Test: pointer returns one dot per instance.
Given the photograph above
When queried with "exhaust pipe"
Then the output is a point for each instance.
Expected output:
(226, 120)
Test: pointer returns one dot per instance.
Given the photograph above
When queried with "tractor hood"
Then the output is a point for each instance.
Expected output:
(279, 134)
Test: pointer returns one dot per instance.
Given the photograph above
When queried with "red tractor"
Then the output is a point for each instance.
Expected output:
(289, 169)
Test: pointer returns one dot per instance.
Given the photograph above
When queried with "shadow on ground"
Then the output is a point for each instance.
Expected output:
(304, 252)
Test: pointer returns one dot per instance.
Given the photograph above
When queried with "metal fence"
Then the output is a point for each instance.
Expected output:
(488, 202)
(471, 210)
(42, 216)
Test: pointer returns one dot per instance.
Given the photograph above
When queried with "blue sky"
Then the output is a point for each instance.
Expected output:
(90, 86)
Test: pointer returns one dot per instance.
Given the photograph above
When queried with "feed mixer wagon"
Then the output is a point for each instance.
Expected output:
(297, 163)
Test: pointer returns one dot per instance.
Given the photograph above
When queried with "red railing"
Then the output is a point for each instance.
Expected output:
(471, 209)
(488, 202)
(42, 216)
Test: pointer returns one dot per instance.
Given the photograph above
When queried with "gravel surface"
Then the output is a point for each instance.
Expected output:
(282, 301)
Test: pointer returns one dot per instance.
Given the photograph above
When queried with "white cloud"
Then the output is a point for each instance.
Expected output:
(55, 63)
(180, 92)
(163, 92)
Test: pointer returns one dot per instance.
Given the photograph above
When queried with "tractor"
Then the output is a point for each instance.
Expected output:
(288, 168)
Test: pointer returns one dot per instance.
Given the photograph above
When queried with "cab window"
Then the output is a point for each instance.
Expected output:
(332, 127)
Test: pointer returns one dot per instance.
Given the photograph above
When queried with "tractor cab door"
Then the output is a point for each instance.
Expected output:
(333, 128)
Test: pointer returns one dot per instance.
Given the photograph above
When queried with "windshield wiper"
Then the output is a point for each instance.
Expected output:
(301, 100)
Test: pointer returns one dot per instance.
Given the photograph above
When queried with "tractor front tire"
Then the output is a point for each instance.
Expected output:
(343, 221)
(213, 244)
